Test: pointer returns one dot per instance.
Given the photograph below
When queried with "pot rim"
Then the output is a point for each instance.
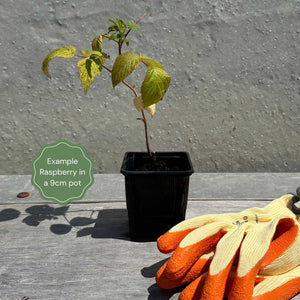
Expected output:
(189, 170)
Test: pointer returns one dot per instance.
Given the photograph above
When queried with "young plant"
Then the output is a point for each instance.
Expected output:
(91, 63)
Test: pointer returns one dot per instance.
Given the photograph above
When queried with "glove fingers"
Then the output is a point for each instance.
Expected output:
(193, 290)
(285, 235)
(282, 287)
(226, 251)
(192, 247)
(253, 251)
(217, 277)
(285, 262)
(201, 266)
(169, 241)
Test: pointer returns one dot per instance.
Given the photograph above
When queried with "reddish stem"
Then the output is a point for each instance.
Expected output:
(81, 56)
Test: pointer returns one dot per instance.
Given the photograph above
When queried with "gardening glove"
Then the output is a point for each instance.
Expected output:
(258, 235)
(283, 286)
(276, 281)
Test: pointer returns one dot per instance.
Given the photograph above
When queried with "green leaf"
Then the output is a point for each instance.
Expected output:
(113, 21)
(88, 53)
(154, 85)
(97, 56)
(112, 28)
(133, 26)
(97, 42)
(124, 65)
(99, 59)
(113, 36)
(105, 55)
(120, 36)
(90, 67)
(151, 62)
(66, 51)
(121, 25)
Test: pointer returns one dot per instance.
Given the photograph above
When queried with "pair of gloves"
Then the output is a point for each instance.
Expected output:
(253, 255)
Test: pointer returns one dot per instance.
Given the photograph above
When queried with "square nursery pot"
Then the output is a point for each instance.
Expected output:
(156, 193)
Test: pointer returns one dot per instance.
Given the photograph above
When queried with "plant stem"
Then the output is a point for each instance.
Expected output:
(140, 18)
(121, 44)
(123, 81)
(80, 56)
(146, 133)
(143, 119)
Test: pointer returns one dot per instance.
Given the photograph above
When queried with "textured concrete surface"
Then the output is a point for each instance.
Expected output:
(233, 102)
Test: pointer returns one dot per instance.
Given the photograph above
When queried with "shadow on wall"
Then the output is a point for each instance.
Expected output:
(109, 223)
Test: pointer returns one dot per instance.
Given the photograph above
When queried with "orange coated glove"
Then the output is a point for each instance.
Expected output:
(256, 237)
(275, 281)
(280, 287)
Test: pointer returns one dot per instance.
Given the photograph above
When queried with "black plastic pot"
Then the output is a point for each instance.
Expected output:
(156, 200)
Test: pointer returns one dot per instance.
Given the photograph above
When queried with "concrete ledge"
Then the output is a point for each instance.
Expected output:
(218, 186)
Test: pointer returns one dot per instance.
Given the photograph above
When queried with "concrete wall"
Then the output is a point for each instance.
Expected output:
(233, 102)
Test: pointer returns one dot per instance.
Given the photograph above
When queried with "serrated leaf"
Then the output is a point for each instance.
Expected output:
(97, 56)
(151, 62)
(97, 43)
(66, 51)
(98, 59)
(88, 69)
(139, 105)
(133, 26)
(111, 20)
(121, 25)
(154, 85)
(88, 65)
(113, 36)
(88, 53)
(112, 28)
(124, 65)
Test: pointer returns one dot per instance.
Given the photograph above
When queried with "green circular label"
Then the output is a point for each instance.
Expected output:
(62, 172)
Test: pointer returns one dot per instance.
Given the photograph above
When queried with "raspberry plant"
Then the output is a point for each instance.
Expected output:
(92, 62)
